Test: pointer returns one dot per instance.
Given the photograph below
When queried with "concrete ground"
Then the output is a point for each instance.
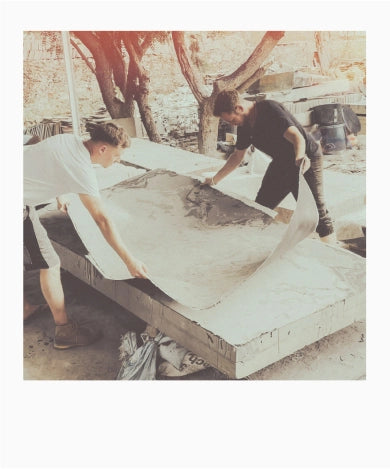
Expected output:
(339, 356)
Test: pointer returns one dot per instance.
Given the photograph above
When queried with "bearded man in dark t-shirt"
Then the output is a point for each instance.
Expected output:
(273, 130)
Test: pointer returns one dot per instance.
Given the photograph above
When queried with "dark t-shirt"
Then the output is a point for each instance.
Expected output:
(272, 120)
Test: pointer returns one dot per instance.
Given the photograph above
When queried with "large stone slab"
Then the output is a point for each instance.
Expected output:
(150, 155)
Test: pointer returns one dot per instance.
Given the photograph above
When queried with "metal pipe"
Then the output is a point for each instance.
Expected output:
(71, 84)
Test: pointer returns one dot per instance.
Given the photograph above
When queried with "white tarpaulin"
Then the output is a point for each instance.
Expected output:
(198, 243)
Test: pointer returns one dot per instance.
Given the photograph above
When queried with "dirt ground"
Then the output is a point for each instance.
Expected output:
(340, 356)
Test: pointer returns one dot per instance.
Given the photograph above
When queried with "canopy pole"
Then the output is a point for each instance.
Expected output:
(71, 85)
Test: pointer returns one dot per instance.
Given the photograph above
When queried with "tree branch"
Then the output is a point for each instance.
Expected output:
(131, 43)
(248, 68)
(83, 56)
(113, 53)
(103, 70)
(256, 76)
(190, 72)
(146, 43)
(141, 89)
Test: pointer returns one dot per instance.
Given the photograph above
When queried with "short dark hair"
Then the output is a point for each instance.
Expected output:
(226, 101)
(110, 133)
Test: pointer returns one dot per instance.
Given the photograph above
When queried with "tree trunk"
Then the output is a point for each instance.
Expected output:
(190, 71)
(140, 84)
(142, 98)
(208, 127)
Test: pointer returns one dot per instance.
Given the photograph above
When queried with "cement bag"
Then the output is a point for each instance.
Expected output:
(189, 364)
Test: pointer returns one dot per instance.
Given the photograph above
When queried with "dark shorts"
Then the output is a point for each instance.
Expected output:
(38, 250)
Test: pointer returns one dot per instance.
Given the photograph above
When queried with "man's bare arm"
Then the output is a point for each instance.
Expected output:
(231, 164)
(95, 208)
(295, 137)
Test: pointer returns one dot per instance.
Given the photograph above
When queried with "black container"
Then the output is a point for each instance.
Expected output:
(328, 114)
(333, 138)
(352, 122)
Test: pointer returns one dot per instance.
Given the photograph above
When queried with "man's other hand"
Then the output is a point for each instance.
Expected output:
(137, 268)
(305, 161)
(62, 204)
(208, 181)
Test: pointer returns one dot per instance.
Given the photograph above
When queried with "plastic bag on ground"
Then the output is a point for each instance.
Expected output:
(138, 363)
(141, 363)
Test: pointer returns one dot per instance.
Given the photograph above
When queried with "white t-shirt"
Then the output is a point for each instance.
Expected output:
(56, 166)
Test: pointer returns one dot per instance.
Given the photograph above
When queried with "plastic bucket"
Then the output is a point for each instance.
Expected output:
(333, 138)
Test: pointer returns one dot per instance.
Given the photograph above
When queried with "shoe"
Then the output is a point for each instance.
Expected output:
(73, 334)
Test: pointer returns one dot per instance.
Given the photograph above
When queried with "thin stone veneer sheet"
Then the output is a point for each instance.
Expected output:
(199, 244)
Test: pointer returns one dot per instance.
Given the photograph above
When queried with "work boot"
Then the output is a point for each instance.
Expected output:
(73, 334)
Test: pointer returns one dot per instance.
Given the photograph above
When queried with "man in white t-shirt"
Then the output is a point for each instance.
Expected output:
(57, 166)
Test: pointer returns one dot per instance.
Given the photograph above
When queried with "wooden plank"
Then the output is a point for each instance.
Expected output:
(359, 109)
(273, 82)
(323, 89)
(307, 104)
